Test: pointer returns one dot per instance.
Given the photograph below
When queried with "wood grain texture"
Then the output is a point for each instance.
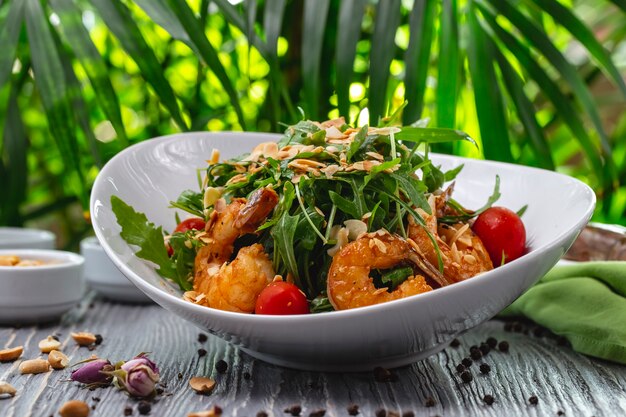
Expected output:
(561, 379)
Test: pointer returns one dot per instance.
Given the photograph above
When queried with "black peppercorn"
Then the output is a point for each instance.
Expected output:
(466, 376)
(488, 399)
(221, 366)
(484, 368)
(144, 408)
(503, 346)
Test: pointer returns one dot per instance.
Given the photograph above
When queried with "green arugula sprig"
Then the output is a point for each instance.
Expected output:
(298, 233)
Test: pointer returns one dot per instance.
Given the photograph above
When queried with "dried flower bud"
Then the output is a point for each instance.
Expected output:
(93, 372)
(138, 376)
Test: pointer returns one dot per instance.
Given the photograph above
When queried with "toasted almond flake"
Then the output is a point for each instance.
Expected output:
(334, 133)
(332, 149)
(375, 155)
(215, 156)
(458, 233)
(456, 256)
(319, 211)
(11, 354)
(190, 296)
(296, 178)
(49, 344)
(200, 297)
(355, 228)
(338, 122)
(380, 291)
(470, 259)
(240, 169)
(380, 245)
(331, 170)
(341, 235)
(366, 216)
(202, 385)
(84, 338)
(237, 179)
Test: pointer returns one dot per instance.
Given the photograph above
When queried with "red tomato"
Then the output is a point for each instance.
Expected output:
(281, 298)
(170, 250)
(502, 233)
(193, 223)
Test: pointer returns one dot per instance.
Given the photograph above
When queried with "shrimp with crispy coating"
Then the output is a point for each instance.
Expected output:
(349, 284)
(462, 252)
(234, 286)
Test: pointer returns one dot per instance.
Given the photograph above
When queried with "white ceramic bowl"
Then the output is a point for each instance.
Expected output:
(21, 238)
(40, 293)
(104, 277)
(150, 174)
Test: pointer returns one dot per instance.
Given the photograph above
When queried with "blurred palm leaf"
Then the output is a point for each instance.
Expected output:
(492, 67)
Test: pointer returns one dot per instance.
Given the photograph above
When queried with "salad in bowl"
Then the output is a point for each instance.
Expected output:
(330, 217)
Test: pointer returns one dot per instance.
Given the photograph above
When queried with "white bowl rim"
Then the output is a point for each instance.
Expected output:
(344, 314)
(29, 235)
(69, 259)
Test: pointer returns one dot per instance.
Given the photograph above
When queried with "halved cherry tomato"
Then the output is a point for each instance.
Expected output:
(502, 233)
(281, 298)
(193, 223)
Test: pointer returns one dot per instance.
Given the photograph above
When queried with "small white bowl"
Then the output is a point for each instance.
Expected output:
(104, 277)
(40, 293)
(21, 238)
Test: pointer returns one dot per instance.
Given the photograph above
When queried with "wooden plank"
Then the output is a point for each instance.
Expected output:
(561, 379)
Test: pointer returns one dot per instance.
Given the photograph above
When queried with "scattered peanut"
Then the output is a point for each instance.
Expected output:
(74, 408)
(84, 338)
(11, 354)
(202, 385)
(6, 388)
(213, 412)
(58, 360)
(49, 344)
(34, 366)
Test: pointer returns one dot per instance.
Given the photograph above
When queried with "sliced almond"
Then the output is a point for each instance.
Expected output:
(84, 338)
(34, 366)
(74, 408)
(11, 354)
(58, 360)
(49, 344)
(202, 385)
(7, 389)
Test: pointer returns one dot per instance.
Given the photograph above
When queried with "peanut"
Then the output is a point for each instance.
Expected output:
(11, 354)
(74, 408)
(58, 360)
(34, 366)
(84, 338)
(202, 385)
(213, 412)
(6, 388)
(49, 344)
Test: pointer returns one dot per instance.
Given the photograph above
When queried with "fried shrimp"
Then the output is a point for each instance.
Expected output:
(231, 286)
(462, 252)
(349, 283)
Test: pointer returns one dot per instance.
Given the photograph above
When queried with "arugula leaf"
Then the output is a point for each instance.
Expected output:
(410, 188)
(432, 135)
(466, 215)
(321, 304)
(451, 174)
(359, 140)
(344, 205)
(283, 233)
(396, 277)
(191, 202)
(137, 230)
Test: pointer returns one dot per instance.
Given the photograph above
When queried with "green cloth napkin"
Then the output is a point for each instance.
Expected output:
(584, 302)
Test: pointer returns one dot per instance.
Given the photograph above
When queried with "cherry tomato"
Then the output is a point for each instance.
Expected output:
(502, 233)
(281, 298)
(193, 223)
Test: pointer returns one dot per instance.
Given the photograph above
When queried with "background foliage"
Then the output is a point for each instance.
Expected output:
(536, 82)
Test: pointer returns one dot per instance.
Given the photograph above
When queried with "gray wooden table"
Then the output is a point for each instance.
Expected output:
(562, 380)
